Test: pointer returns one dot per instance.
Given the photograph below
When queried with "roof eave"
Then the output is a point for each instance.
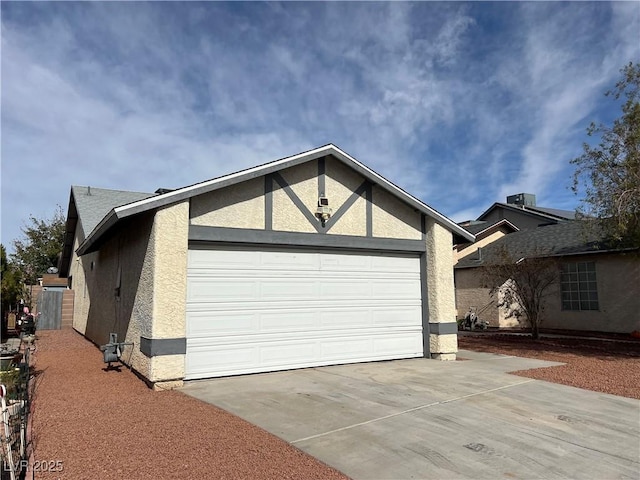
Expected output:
(90, 243)
(228, 180)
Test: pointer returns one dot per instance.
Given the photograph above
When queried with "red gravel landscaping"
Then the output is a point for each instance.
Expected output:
(605, 365)
(110, 425)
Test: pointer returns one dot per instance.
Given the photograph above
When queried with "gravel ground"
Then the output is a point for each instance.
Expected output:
(109, 425)
(606, 365)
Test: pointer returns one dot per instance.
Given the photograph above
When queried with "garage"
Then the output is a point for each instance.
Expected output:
(310, 260)
(264, 309)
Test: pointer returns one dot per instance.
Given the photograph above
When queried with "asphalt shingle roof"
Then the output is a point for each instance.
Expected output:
(561, 239)
(93, 204)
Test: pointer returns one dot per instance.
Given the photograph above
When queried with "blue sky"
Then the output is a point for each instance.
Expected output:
(460, 104)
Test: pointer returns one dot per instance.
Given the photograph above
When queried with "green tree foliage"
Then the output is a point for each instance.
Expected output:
(41, 246)
(12, 286)
(610, 171)
(524, 283)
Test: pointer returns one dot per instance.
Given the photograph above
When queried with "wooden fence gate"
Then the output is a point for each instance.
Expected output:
(50, 310)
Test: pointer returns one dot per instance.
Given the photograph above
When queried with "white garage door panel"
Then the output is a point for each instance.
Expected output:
(207, 360)
(274, 309)
(320, 319)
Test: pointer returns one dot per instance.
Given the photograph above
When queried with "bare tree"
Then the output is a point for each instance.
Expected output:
(524, 281)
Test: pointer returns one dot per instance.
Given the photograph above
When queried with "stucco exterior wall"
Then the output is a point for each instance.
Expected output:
(394, 219)
(147, 258)
(286, 216)
(471, 292)
(617, 276)
(479, 243)
(440, 288)
(354, 221)
(79, 268)
(124, 260)
(170, 234)
(237, 206)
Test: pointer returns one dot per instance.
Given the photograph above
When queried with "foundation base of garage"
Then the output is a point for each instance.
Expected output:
(446, 357)
(160, 386)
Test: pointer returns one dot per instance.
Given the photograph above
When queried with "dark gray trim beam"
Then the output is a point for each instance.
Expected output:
(443, 328)
(369, 213)
(154, 347)
(322, 183)
(199, 233)
(424, 293)
(423, 226)
(296, 200)
(268, 202)
(345, 206)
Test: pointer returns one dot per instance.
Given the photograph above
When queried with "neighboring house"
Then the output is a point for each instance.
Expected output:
(597, 287)
(310, 260)
(521, 211)
(485, 234)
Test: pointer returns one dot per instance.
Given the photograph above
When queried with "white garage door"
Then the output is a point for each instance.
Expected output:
(274, 309)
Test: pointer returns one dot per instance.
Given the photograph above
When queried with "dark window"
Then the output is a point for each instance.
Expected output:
(578, 286)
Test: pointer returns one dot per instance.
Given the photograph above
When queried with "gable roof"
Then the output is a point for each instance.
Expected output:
(120, 212)
(479, 227)
(87, 207)
(552, 214)
(566, 238)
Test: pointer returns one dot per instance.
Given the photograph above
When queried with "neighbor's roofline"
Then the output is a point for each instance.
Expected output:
(560, 254)
(501, 222)
(523, 209)
(157, 201)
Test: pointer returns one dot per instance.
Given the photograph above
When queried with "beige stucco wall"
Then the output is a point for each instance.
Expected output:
(237, 206)
(170, 235)
(616, 274)
(618, 277)
(479, 243)
(354, 221)
(394, 219)
(440, 288)
(243, 205)
(149, 256)
(340, 183)
(79, 268)
(471, 292)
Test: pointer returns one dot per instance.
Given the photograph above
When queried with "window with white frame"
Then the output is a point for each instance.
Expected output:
(578, 286)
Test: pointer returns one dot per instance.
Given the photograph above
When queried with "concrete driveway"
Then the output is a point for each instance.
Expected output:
(422, 418)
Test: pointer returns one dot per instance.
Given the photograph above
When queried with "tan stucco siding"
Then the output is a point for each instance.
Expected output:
(78, 270)
(617, 276)
(286, 215)
(171, 233)
(482, 242)
(353, 221)
(472, 293)
(394, 219)
(237, 206)
(147, 258)
(124, 260)
(167, 367)
(340, 183)
(440, 287)
(303, 180)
